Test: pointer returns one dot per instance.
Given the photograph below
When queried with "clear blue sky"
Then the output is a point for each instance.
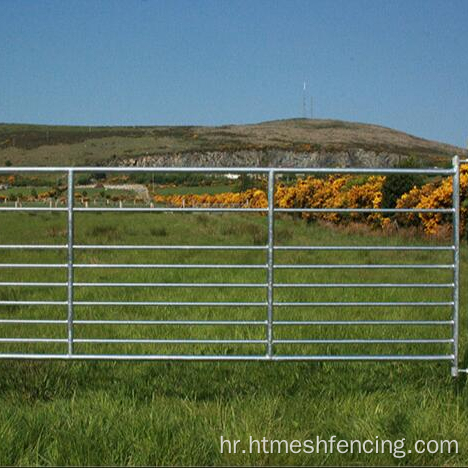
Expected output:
(402, 64)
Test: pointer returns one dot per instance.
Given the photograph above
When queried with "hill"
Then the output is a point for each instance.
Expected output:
(255, 144)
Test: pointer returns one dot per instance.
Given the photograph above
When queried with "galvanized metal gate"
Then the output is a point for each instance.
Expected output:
(270, 323)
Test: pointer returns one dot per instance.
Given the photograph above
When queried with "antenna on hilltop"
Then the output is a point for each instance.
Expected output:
(304, 107)
(311, 107)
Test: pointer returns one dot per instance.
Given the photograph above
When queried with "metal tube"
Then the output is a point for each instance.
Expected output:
(33, 247)
(33, 321)
(164, 341)
(223, 357)
(240, 210)
(171, 209)
(33, 340)
(362, 304)
(456, 261)
(171, 285)
(22, 303)
(367, 357)
(270, 261)
(364, 285)
(71, 193)
(235, 170)
(166, 303)
(29, 208)
(244, 285)
(33, 265)
(35, 284)
(363, 322)
(136, 322)
(364, 210)
(172, 322)
(169, 247)
(176, 265)
(367, 341)
(361, 266)
(366, 247)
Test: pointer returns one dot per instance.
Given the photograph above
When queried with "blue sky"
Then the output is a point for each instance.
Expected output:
(402, 64)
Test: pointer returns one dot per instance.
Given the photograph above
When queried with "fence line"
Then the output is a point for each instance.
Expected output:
(270, 304)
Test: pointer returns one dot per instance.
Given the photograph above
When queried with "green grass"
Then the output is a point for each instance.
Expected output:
(196, 190)
(166, 413)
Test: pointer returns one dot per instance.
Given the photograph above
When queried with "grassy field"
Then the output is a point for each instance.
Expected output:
(166, 413)
(197, 189)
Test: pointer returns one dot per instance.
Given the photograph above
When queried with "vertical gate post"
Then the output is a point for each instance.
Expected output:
(456, 262)
(270, 260)
(70, 261)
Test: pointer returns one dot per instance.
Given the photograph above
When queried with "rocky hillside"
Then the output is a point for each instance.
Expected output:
(296, 142)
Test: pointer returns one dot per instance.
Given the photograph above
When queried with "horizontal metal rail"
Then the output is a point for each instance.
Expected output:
(137, 322)
(172, 209)
(224, 266)
(132, 265)
(363, 322)
(32, 284)
(366, 341)
(236, 322)
(170, 247)
(231, 170)
(363, 285)
(170, 285)
(366, 247)
(224, 357)
(363, 304)
(194, 209)
(169, 265)
(233, 304)
(33, 247)
(224, 341)
(429, 248)
(183, 341)
(361, 266)
(137, 303)
(229, 285)
(30, 208)
(130, 340)
(364, 210)
(33, 265)
(33, 303)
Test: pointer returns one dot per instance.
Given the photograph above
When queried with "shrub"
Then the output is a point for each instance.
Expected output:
(396, 185)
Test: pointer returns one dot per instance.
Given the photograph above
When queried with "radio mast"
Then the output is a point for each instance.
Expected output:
(304, 106)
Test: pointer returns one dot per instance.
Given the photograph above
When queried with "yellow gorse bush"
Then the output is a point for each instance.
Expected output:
(342, 192)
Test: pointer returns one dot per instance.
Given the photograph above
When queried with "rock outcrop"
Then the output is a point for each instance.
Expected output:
(267, 158)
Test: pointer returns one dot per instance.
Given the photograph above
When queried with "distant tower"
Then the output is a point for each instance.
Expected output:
(304, 106)
(311, 107)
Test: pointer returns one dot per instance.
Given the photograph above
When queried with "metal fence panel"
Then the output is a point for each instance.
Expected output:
(270, 322)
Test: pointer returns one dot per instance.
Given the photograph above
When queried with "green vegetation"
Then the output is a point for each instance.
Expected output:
(196, 189)
(174, 413)
(396, 185)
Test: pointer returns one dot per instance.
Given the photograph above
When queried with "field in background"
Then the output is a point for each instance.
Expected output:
(175, 413)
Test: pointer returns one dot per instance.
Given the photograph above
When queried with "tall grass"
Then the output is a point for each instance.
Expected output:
(166, 413)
